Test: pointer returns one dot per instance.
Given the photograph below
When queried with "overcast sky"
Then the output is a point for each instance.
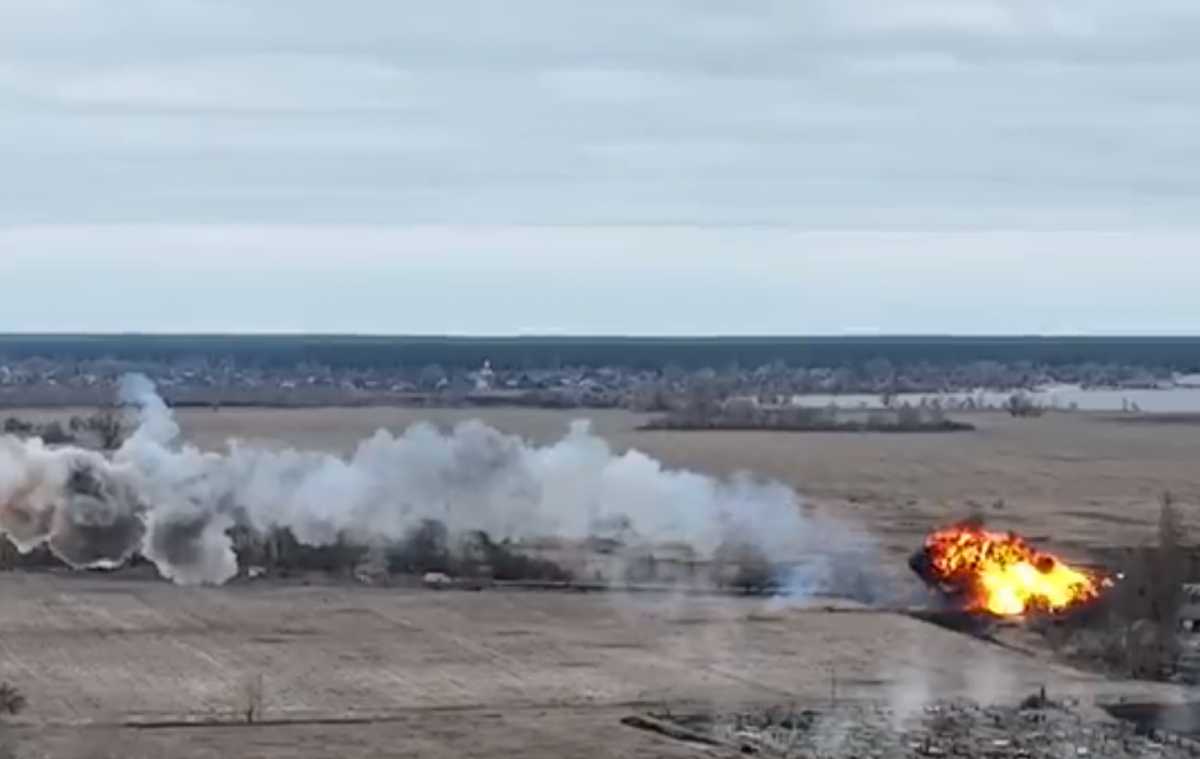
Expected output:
(625, 166)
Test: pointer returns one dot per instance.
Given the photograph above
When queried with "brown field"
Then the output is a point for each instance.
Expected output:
(359, 672)
(1075, 480)
(110, 665)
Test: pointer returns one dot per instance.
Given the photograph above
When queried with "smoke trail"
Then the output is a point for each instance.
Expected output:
(173, 503)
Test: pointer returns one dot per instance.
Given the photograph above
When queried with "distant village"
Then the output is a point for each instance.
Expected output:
(59, 382)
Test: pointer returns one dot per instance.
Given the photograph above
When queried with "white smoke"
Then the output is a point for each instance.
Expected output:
(173, 503)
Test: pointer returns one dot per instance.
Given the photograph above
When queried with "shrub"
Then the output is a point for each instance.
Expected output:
(744, 566)
(109, 427)
(1021, 405)
(908, 417)
(19, 427)
(506, 564)
(12, 701)
(54, 434)
(426, 548)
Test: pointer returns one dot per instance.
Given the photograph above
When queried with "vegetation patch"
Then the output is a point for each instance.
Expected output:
(739, 414)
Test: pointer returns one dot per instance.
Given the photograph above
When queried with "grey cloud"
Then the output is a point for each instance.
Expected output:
(632, 117)
(620, 112)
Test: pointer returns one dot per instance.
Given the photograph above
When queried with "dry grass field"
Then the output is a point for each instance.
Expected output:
(360, 672)
(1075, 480)
(118, 666)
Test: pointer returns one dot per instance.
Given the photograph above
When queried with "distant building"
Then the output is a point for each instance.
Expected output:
(485, 378)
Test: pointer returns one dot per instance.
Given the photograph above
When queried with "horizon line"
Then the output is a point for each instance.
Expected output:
(849, 335)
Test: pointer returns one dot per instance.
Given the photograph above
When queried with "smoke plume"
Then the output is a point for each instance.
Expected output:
(174, 504)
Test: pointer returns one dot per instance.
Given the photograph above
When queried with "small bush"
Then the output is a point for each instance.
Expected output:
(506, 564)
(12, 701)
(908, 417)
(425, 549)
(1021, 405)
(279, 550)
(428, 549)
(743, 566)
(18, 427)
(55, 434)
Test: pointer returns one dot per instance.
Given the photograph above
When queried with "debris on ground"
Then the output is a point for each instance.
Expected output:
(1037, 729)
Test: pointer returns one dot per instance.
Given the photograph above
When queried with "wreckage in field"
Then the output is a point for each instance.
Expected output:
(1000, 574)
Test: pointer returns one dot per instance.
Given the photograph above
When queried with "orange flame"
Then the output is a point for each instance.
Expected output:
(1001, 574)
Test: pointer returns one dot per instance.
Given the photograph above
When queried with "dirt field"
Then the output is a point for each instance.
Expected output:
(1075, 480)
(448, 673)
(112, 665)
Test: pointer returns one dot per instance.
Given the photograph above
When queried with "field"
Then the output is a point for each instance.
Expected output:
(359, 672)
(122, 666)
(1076, 480)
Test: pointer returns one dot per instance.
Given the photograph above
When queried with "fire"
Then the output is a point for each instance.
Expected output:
(1002, 574)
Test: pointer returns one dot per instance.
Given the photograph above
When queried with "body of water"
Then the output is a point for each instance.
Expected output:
(1167, 400)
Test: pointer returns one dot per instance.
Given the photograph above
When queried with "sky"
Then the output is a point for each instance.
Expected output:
(616, 167)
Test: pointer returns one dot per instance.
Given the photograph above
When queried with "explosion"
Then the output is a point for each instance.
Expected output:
(999, 573)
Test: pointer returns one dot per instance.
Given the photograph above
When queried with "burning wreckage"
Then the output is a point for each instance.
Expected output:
(998, 574)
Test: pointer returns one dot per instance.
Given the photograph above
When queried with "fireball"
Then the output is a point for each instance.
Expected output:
(1001, 574)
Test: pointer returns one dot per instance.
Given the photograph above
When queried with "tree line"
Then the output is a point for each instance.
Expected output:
(350, 351)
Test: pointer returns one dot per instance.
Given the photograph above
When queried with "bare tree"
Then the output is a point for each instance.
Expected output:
(702, 403)
(880, 372)
(935, 413)
(252, 695)
(650, 396)
(1170, 575)
(109, 427)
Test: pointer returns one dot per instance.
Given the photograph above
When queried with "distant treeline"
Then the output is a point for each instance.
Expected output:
(336, 351)
(703, 411)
